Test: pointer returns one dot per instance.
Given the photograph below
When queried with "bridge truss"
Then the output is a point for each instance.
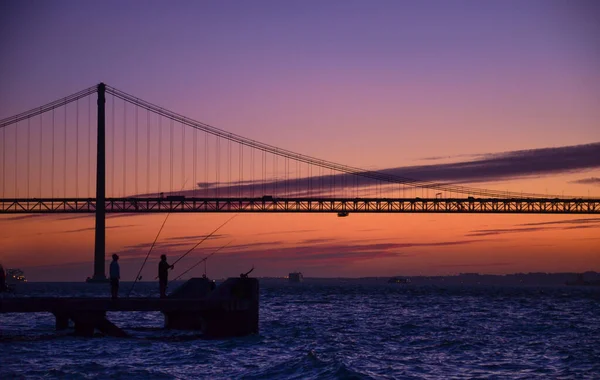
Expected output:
(304, 205)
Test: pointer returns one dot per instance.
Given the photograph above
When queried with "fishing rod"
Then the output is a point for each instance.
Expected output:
(202, 261)
(138, 277)
(202, 241)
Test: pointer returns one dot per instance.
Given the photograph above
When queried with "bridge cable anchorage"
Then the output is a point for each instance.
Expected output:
(137, 277)
(202, 261)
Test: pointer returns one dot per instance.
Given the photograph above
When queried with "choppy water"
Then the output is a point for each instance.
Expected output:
(331, 330)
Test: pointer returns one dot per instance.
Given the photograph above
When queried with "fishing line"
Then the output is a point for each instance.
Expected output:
(201, 261)
(137, 277)
(204, 239)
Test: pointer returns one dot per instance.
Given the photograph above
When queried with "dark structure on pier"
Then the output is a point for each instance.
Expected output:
(229, 310)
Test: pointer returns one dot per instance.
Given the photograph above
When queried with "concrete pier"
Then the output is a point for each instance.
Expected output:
(230, 309)
(237, 315)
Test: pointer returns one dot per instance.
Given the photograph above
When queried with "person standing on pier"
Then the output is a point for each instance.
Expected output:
(163, 275)
(115, 276)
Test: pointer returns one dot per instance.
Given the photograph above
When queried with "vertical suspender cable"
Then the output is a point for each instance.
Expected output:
(28, 151)
(77, 148)
(159, 151)
(124, 148)
(147, 152)
(195, 157)
(52, 161)
(89, 148)
(4, 162)
(218, 189)
(182, 150)
(40, 150)
(171, 156)
(137, 138)
(206, 155)
(16, 156)
(112, 149)
(65, 149)
(229, 168)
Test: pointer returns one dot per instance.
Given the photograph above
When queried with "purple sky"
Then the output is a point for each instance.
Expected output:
(508, 75)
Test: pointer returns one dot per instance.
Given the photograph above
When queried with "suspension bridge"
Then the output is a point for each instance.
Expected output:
(148, 159)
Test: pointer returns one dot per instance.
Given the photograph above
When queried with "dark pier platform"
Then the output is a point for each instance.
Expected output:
(229, 310)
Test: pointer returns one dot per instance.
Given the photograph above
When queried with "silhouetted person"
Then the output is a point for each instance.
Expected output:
(245, 275)
(163, 275)
(115, 276)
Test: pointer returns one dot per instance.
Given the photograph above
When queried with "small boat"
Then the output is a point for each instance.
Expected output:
(399, 280)
(296, 277)
(15, 276)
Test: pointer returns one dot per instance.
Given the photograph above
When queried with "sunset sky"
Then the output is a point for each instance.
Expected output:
(500, 95)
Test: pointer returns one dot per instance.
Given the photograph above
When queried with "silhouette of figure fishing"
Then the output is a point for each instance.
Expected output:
(163, 275)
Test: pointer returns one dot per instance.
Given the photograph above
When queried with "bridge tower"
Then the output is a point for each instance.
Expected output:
(99, 246)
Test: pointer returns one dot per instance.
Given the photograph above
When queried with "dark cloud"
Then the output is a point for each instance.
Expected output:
(481, 168)
(438, 158)
(20, 217)
(566, 221)
(197, 237)
(594, 181)
(581, 227)
(316, 241)
(337, 253)
(474, 265)
(504, 231)
(493, 167)
(539, 227)
(285, 232)
(94, 228)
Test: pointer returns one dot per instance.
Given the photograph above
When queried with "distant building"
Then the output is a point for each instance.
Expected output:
(296, 277)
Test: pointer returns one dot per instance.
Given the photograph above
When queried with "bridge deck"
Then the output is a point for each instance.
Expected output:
(306, 205)
(75, 304)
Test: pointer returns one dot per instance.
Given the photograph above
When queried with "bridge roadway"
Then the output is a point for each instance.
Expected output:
(341, 206)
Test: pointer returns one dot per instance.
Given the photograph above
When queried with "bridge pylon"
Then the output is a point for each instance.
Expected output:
(100, 233)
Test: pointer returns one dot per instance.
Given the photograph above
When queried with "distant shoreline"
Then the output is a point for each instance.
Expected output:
(528, 279)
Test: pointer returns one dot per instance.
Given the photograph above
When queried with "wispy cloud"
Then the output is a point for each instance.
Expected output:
(309, 254)
(566, 221)
(196, 237)
(93, 228)
(594, 181)
(500, 264)
(285, 232)
(478, 168)
(539, 227)
(20, 217)
(493, 167)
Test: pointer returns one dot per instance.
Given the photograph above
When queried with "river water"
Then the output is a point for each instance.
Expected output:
(329, 330)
